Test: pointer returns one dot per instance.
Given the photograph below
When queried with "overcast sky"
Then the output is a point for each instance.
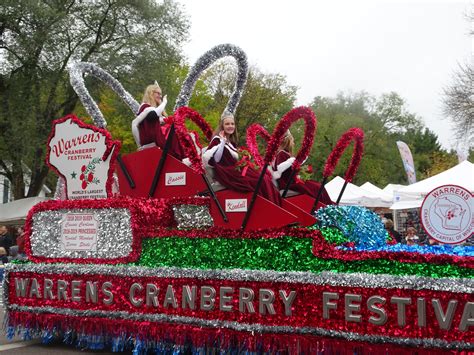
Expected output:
(323, 47)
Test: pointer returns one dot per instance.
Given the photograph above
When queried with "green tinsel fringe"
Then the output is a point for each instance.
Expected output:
(280, 254)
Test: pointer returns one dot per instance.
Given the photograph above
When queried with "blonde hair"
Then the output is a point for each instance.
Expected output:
(389, 223)
(148, 94)
(234, 138)
(288, 142)
(3, 251)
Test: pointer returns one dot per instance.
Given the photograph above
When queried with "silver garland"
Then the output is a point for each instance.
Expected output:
(254, 328)
(204, 62)
(355, 279)
(60, 192)
(76, 71)
(192, 216)
(455, 285)
(114, 237)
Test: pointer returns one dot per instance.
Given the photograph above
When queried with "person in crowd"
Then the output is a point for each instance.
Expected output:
(282, 171)
(411, 237)
(390, 229)
(3, 256)
(222, 156)
(150, 128)
(20, 241)
(6, 240)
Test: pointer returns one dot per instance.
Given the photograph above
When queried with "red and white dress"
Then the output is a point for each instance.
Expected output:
(223, 156)
(149, 129)
(282, 171)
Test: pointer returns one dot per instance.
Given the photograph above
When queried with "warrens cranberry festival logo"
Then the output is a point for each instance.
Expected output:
(82, 155)
(447, 214)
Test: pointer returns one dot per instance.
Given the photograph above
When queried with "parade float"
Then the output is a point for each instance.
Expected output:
(143, 252)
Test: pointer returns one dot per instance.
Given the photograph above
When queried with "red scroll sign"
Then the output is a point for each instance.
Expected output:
(352, 134)
(285, 123)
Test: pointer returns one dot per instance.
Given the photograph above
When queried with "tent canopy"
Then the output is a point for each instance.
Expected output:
(15, 212)
(355, 195)
(391, 188)
(413, 195)
(377, 190)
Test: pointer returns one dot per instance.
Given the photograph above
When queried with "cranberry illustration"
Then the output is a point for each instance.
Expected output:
(90, 177)
(82, 177)
(84, 185)
(83, 168)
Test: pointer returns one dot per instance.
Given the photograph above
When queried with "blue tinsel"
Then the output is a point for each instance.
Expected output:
(47, 337)
(365, 229)
(358, 224)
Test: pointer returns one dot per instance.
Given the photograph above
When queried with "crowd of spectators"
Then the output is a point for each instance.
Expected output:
(11, 243)
(410, 237)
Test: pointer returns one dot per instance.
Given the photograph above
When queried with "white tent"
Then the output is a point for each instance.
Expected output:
(386, 196)
(355, 195)
(15, 212)
(412, 195)
(391, 188)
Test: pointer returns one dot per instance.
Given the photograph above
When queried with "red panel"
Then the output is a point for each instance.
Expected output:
(304, 202)
(141, 166)
(304, 218)
(265, 214)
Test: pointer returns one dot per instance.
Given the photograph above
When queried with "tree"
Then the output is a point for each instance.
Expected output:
(384, 120)
(458, 103)
(391, 111)
(40, 39)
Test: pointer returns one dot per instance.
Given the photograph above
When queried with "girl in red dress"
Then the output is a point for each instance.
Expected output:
(282, 171)
(149, 127)
(222, 155)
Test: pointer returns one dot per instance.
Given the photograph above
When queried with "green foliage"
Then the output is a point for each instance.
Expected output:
(385, 120)
(130, 39)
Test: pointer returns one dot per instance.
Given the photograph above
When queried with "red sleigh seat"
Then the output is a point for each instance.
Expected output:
(176, 180)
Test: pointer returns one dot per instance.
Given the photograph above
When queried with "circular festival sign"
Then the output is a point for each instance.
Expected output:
(447, 214)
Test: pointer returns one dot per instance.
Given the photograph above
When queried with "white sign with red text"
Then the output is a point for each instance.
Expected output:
(175, 179)
(79, 232)
(76, 152)
(236, 205)
(447, 214)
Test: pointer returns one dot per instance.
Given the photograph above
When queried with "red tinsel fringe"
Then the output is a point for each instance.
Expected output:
(209, 337)
(252, 132)
(184, 137)
(292, 116)
(108, 141)
(353, 134)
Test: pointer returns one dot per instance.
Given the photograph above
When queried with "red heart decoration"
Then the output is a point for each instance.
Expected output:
(184, 137)
(283, 125)
(253, 131)
(352, 134)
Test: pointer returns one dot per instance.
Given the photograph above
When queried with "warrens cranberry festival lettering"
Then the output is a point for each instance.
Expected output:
(63, 146)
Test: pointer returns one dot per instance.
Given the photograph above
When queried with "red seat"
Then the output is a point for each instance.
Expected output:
(176, 180)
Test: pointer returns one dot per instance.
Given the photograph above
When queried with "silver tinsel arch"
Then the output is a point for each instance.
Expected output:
(78, 69)
(76, 72)
(204, 62)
